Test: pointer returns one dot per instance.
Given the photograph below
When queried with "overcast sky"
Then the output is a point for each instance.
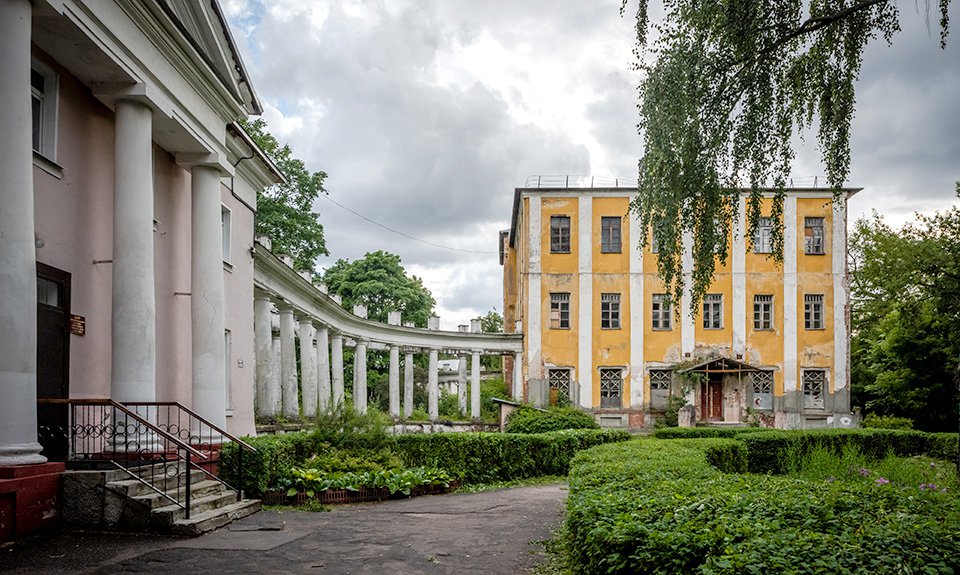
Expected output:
(426, 114)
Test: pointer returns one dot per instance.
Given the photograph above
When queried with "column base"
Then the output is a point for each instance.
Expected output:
(29, 498)
(21, 454)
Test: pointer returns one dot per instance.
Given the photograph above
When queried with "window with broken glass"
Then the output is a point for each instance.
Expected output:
(713, 311)
(560, 381)
(813, 236)
(560, 234)
(763, 238)
(559, 311)
(762, 389)
(611, 381)
(660, 387)
(814, 386)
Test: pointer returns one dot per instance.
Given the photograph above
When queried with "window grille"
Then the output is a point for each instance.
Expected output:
(611, 380)
(762, 389)
(560, 380)
(659, 388)
(814, 385)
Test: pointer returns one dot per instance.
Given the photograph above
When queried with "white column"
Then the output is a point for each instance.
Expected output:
(841, 351)
(408, 383)
(262, 340)
(475, 385)
(532, 338)
(518, 376)
(336, 368)
(394, 381)
(274, 387)
(433, 392)
(323, 368)
(18, 268)
(585, 319)
(206, 297)
(134, 349)
(687, 325)
(739, 279)
(790, 311)
(288, 365)
(462, 381)
(360, 376)
(637, 315)
(308, 370)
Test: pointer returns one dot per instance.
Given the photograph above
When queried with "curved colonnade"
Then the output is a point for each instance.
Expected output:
(288, 306)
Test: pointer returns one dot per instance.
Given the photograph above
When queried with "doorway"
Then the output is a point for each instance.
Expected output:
(711, 398)
(53, 359)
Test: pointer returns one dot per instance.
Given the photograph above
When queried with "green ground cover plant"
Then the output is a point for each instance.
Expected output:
(664, 507)
(527, 419)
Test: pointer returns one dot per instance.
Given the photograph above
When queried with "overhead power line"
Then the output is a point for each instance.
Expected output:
(399, 233)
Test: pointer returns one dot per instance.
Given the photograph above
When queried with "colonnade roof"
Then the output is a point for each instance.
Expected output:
(282, 284)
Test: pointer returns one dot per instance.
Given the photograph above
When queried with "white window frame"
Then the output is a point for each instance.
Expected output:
(814, 242)
(661, 313)
(763, 238)
(607, 391)
(660, 382)
(226, 229)
(813, 311)
(810, 380)
(762, 311)
(713, 311)
(48, 100)
(559, 378)
(559, 310)
(762, 383)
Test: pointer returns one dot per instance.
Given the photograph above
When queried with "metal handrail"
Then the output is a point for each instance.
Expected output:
(196, 416)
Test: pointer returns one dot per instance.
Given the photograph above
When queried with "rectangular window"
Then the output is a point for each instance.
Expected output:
(762, 311)
(762, 389)
(813, 311)
(813, 236)
(814, 385)
(43, 98)
(654, 244)
(713, 311)
(560, 381)
(560, 234)
(225, 231)
(610, 311)
(660, 387)
(559, 311)
(611, 380)
(610, 235)
(662, 312)
(763, 238)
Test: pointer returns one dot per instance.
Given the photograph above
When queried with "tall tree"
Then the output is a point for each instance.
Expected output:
(379, 282)
(727, 83)
(492, 322)
(285, 211)
(906, 318)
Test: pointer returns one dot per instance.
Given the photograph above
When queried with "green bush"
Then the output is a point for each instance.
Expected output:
(490, 389)
(874, 421)
(671, 417)
(357, 460)
(448, 406)
(660, 507)
(699, 432)
(487, 457)
(526, 419)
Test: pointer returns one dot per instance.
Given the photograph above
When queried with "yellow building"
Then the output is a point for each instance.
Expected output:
(769, 343)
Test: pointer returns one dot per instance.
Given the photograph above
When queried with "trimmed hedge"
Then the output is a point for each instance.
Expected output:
(526, 419)
(660, 507)
(470, 457)
(698, 432)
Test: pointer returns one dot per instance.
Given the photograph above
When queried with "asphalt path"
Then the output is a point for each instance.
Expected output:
(494, 532)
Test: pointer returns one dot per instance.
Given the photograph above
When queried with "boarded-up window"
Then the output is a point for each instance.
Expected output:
(611, 384)
(813, 236)
(559, 311)
(762, 389)
(814, 386)
(660, 387)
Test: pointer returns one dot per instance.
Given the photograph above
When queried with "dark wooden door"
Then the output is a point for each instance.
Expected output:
(53, 359)
(711, 400)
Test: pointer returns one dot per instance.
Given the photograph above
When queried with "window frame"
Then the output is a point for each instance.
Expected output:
(808, 387)
(763, 237)
(609, 311)
(661, 313)
(813, 318)
(559, 234)
(761, 308)
(814, 243)
(610, 230)
(611, 388)
(762, 386)
(562, 306)
(44, 125)
(226, 234)
(713, 310)
(560, 371)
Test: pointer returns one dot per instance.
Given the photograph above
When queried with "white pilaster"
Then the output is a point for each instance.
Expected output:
(687, 325)
(323, 368)
(408, 383)
(636, 311)
(262, 342)
(360, 376)
(533, 337)
(518, 377)
(841, 354)
(738, 268)
(336, 368)
(288, 365)
(584, 325)
(308, 369)
(18, 268)
(433, 391)
(394, 381)
(207, 297)
(790, 318)
(134, 349)
(475, 385)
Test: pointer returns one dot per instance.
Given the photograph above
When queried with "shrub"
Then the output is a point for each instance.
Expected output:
(486, 457)
(875, 421)
(449, 406)
(334, 460)
(489, 389)
(526, 419)
(699, 432)
(671, 417)
(660, 507)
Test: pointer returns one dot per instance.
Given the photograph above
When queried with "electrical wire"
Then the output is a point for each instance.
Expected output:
(399, 233)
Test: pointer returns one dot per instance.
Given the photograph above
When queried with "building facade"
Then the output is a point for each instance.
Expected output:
(768, 345)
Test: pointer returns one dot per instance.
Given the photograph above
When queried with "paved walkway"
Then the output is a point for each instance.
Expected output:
(494, 532)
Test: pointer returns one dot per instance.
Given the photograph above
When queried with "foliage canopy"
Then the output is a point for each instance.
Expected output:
(727, 83)
(285, 211)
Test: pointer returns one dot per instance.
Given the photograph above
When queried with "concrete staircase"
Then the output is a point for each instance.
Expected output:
(112, 499)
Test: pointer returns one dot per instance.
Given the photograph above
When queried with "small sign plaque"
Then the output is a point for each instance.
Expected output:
(78, 325)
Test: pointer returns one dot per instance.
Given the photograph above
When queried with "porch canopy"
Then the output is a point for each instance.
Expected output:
(720, 365)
